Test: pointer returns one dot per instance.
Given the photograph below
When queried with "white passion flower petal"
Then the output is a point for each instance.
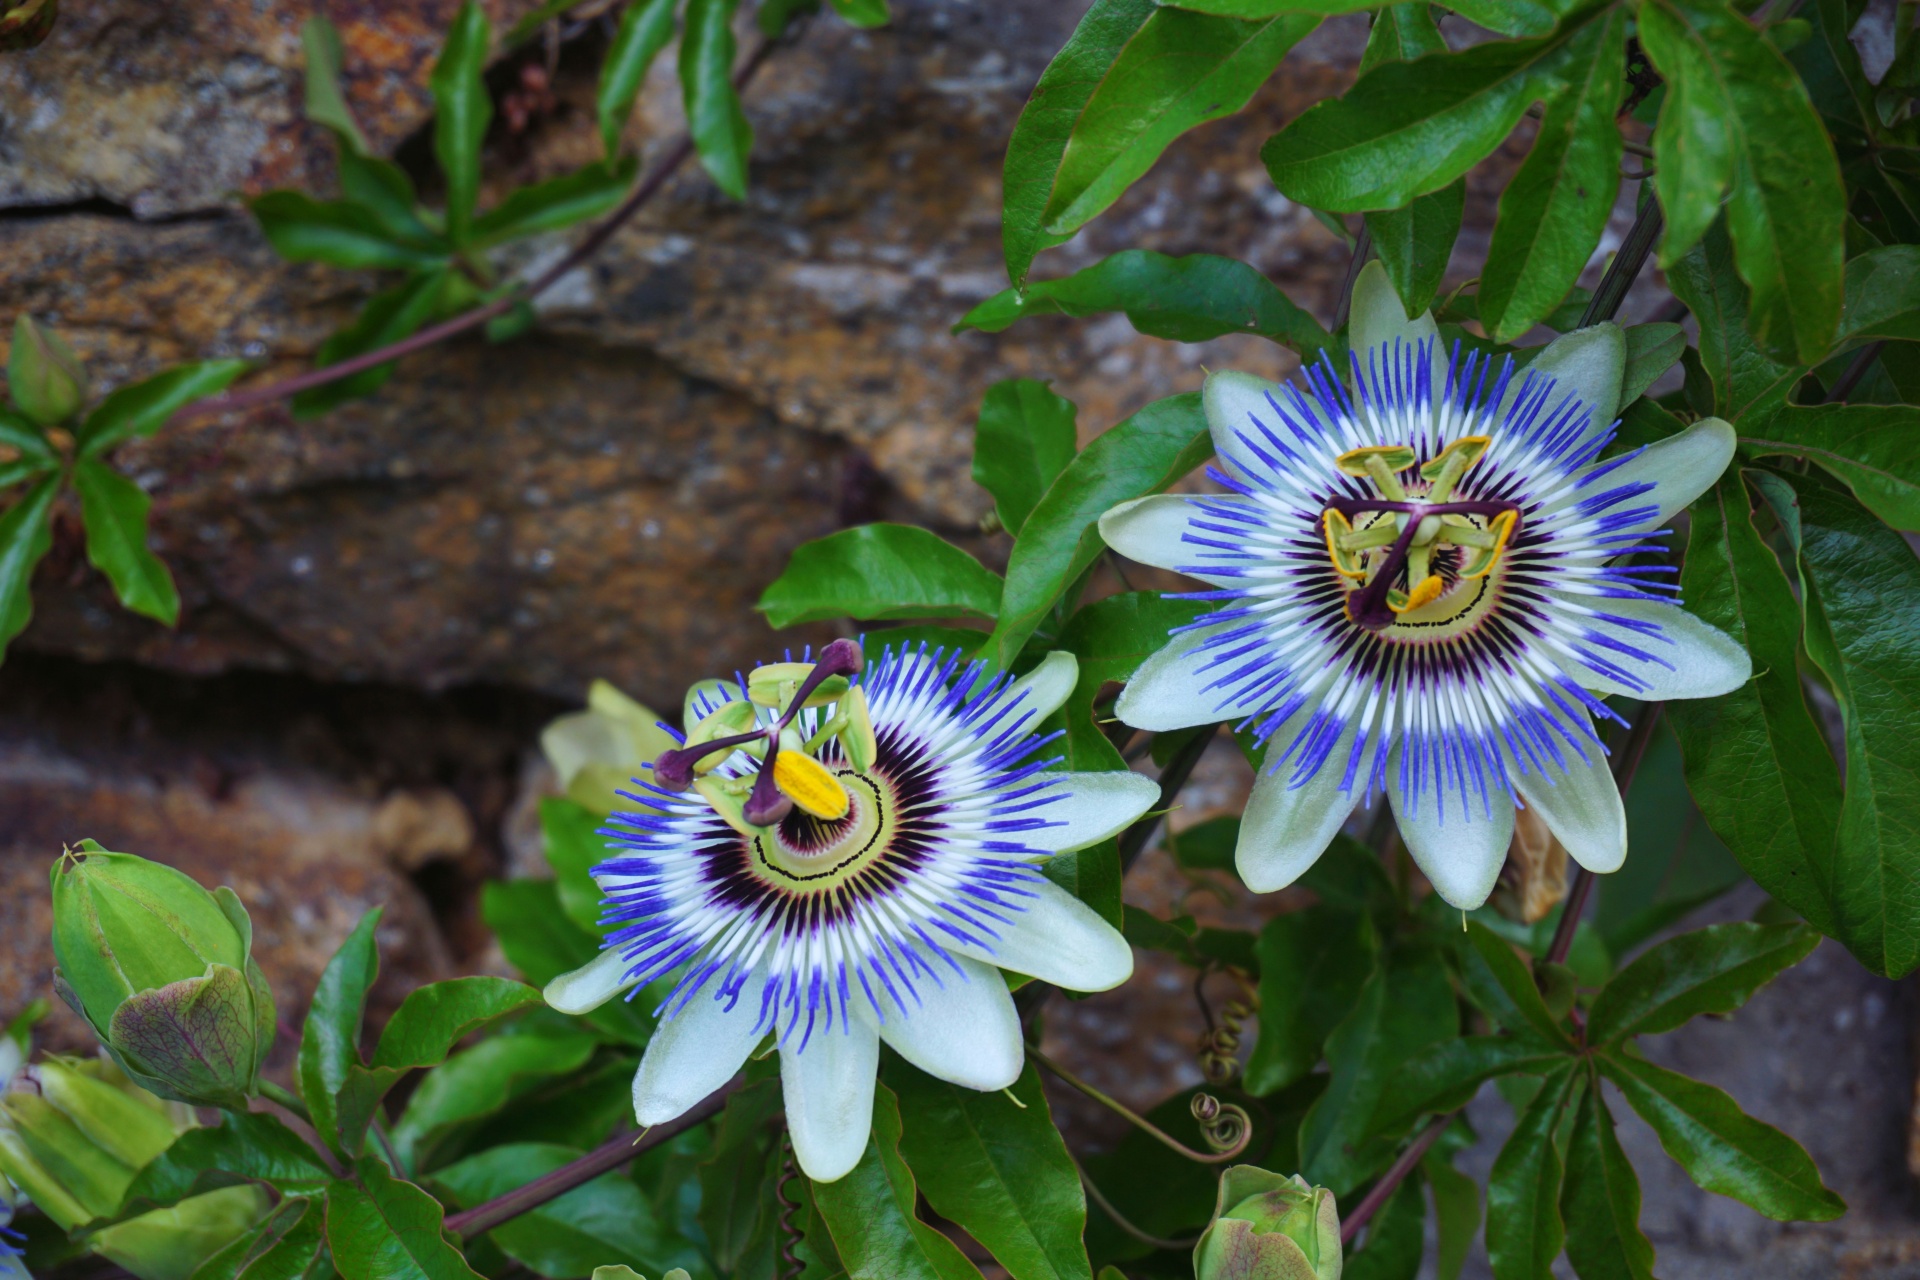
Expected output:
(1666, 651)
(1674, 471)
(1179, 686)
(1080, 809)
(590, 986)
(1059, 939)
(1588, 365)
(1377, 319)
(1154, 531)
(828, 1090)
(1242, 416)
(1290, 819)
(1581, 805)
(964, 1030)
(693, 1053)
(1459, 847)
(1040, 692)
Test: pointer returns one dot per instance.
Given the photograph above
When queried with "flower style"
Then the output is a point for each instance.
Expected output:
(1426, 583)
(838, 857)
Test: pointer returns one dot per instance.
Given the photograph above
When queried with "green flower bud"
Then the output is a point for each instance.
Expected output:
(25, 23)
(1269, 1227)
(44, 376)
(164, 971)
(599, 751)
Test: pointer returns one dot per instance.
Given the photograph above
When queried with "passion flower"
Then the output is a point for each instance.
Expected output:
(840, 855)
(1428, 579)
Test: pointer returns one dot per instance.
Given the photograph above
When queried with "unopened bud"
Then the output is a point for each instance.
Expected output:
(44, 376)
(1269, 1227)
(164, 972)
(25, 23)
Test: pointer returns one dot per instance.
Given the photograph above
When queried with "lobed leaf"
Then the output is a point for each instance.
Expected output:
(461, 112)
(1415, 243)
(325, 104)
(114, 510)
(1652, 349)
(1872, 449)
(1709, 971)
(1502, 984)
(480, 1081)
(1313, 964)
(244, 1147)
(142, 408)
(1882, 296)
(1190, 299)
(1022, 440)
(337, 232)
(1395, 1238)
(880, 571)
(1600, 1202)
(1746, 380)
(330, 1037)
(387, 317)
(1555, 208)
(1447, 1074)
(721, 135)
(1524, 1227)
(556, 204)
(645, 28)
(381, 1228)
(997, 1167)
(1722, 1148)
(1143, 454)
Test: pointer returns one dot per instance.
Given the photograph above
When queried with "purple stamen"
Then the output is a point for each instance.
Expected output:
(674, 769)
(768, 804)
(1368, 606)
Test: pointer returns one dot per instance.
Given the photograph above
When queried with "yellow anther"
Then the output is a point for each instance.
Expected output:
(1339, 531)
(1426, 591)
(1444, 470)
(810, 784)
(1502, 529)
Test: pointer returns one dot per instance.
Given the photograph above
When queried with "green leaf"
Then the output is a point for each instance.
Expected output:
(1401, 33)
(114, 509)
(23, 435)
(478, 1082)
(1177, 71)
(1524, 1229)
(1872, 449)
(880, 571)
(387, 317)
(1313, 964)
(1456, 1211)
(1208, 846)
(325, 104)
(1416, 242)
(1860, 587)
(870, 1212)
(1721, 1147)
(1553, 211)
(537, 933)
(143, 407)
(644, 30)
(330, 1038)
(1061, 539)
(1047, 124)
(1507, 17)
(1189, 299)
(1394, 1240)
(719, 126)
(556, 204)
(380, 1228)
(1745, 379)
(1709, 971)
(286, 1246)
(998, 1168)
(384, 190)
(1446, 1075)
(336, 232)
(1408, 128)
(1882, 296)
(25, 536)
(863, 13)
(462, 111)
(1601, 1200)
(1652, 349)
(738, 1203)
(1737, 123)
(574, 848)
(1023, 439)
(1405, 1006)
(1755, 758)
(423, 1030)
(1501, 984)
(245, 1146)
(604, 1222)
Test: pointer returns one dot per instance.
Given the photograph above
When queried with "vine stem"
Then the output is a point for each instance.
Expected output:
(483, 1218)
(287, 1098)
(1139, 1121)
(1390, 1181)
(1121, 1220)
(595, 240)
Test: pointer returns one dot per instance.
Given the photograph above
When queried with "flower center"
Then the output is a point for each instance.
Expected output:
(1418, 558)
(806, 852)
